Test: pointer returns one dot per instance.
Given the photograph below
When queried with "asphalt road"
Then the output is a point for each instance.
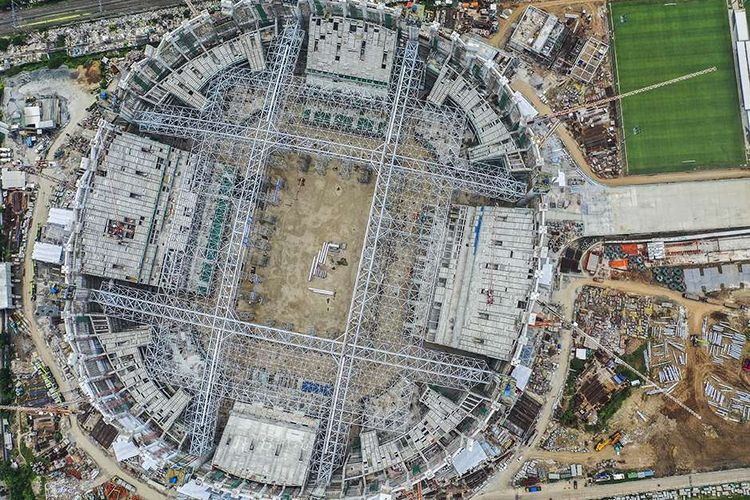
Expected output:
(74, 11)
(564, 490)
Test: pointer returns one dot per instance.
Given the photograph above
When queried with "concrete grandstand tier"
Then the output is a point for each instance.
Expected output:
(347, 51)
(485, 280)
(210, 377)
(267, 446)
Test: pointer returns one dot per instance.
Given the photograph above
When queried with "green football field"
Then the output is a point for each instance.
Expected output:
(686, 125)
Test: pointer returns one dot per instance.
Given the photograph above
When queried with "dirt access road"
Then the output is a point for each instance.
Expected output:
(577, 154)
(501, 37)
(696, 310)
(503, 478)
(566, 298)
(506, 25)
(108, 465)
(670, 436)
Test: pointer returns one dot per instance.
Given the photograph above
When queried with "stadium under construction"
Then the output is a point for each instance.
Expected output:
(184, 336)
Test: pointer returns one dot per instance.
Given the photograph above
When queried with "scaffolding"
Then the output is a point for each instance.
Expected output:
(249, 117)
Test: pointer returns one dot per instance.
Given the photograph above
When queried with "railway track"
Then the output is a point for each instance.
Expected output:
(74, 11)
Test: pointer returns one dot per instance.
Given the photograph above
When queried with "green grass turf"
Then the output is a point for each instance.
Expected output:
(698, 119)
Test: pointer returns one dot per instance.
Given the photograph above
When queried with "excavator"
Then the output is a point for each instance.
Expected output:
(611, 440)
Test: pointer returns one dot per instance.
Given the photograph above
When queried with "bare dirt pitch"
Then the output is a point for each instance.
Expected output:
(313, 209)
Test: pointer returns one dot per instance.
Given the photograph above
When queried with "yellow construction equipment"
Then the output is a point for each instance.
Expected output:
(611, 440)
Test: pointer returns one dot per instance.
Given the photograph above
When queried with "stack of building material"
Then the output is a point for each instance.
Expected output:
(317, 268)
(724, 342)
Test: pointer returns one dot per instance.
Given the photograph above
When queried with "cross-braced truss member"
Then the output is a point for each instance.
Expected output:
(233, 143)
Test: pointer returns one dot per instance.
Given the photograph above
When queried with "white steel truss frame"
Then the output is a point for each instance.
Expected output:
(392, 294)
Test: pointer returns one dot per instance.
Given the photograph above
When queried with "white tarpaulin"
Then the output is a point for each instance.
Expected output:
(46, 252)
(194, 490)
(124, 449)
(521, 375)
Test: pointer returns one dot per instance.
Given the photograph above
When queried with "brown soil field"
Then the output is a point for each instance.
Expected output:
(707, 444)
(91, 74)
(313, 209)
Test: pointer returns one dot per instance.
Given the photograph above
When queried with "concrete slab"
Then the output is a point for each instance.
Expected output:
(667, 208)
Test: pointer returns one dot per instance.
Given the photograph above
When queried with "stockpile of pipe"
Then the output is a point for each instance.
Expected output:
(727, 401)
(740, 404)
(669, 374)
(715, 338)
(715, 396)
(736, 346)
(679, 357)
(725, 342)
(317, 268)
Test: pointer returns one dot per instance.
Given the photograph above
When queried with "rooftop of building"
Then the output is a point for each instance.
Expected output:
(344, 51)
(126, 205)
(537, 32)
(266, 445)
(485, 280)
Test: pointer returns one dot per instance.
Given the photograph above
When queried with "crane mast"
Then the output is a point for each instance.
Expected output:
(607, 100)
(595, 104)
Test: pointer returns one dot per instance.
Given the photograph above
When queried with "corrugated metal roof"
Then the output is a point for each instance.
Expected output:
(742, 62)
(6, 287)
(13, 179)
(46, 252)
(61, 217)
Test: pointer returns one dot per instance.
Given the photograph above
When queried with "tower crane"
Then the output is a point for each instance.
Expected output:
(38, 170)
(617, 97)
(616, 357)
(192, 8)
(55, 410)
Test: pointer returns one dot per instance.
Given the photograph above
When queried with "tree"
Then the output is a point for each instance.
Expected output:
(17, 480)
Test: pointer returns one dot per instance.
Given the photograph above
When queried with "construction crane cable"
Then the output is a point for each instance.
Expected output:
(619, 360)
(553, 117)
(606, 100)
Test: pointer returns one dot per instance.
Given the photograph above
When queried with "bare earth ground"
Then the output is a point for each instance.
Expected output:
(325, 208)
(671, 441)
(575, 152)
(555, 6)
